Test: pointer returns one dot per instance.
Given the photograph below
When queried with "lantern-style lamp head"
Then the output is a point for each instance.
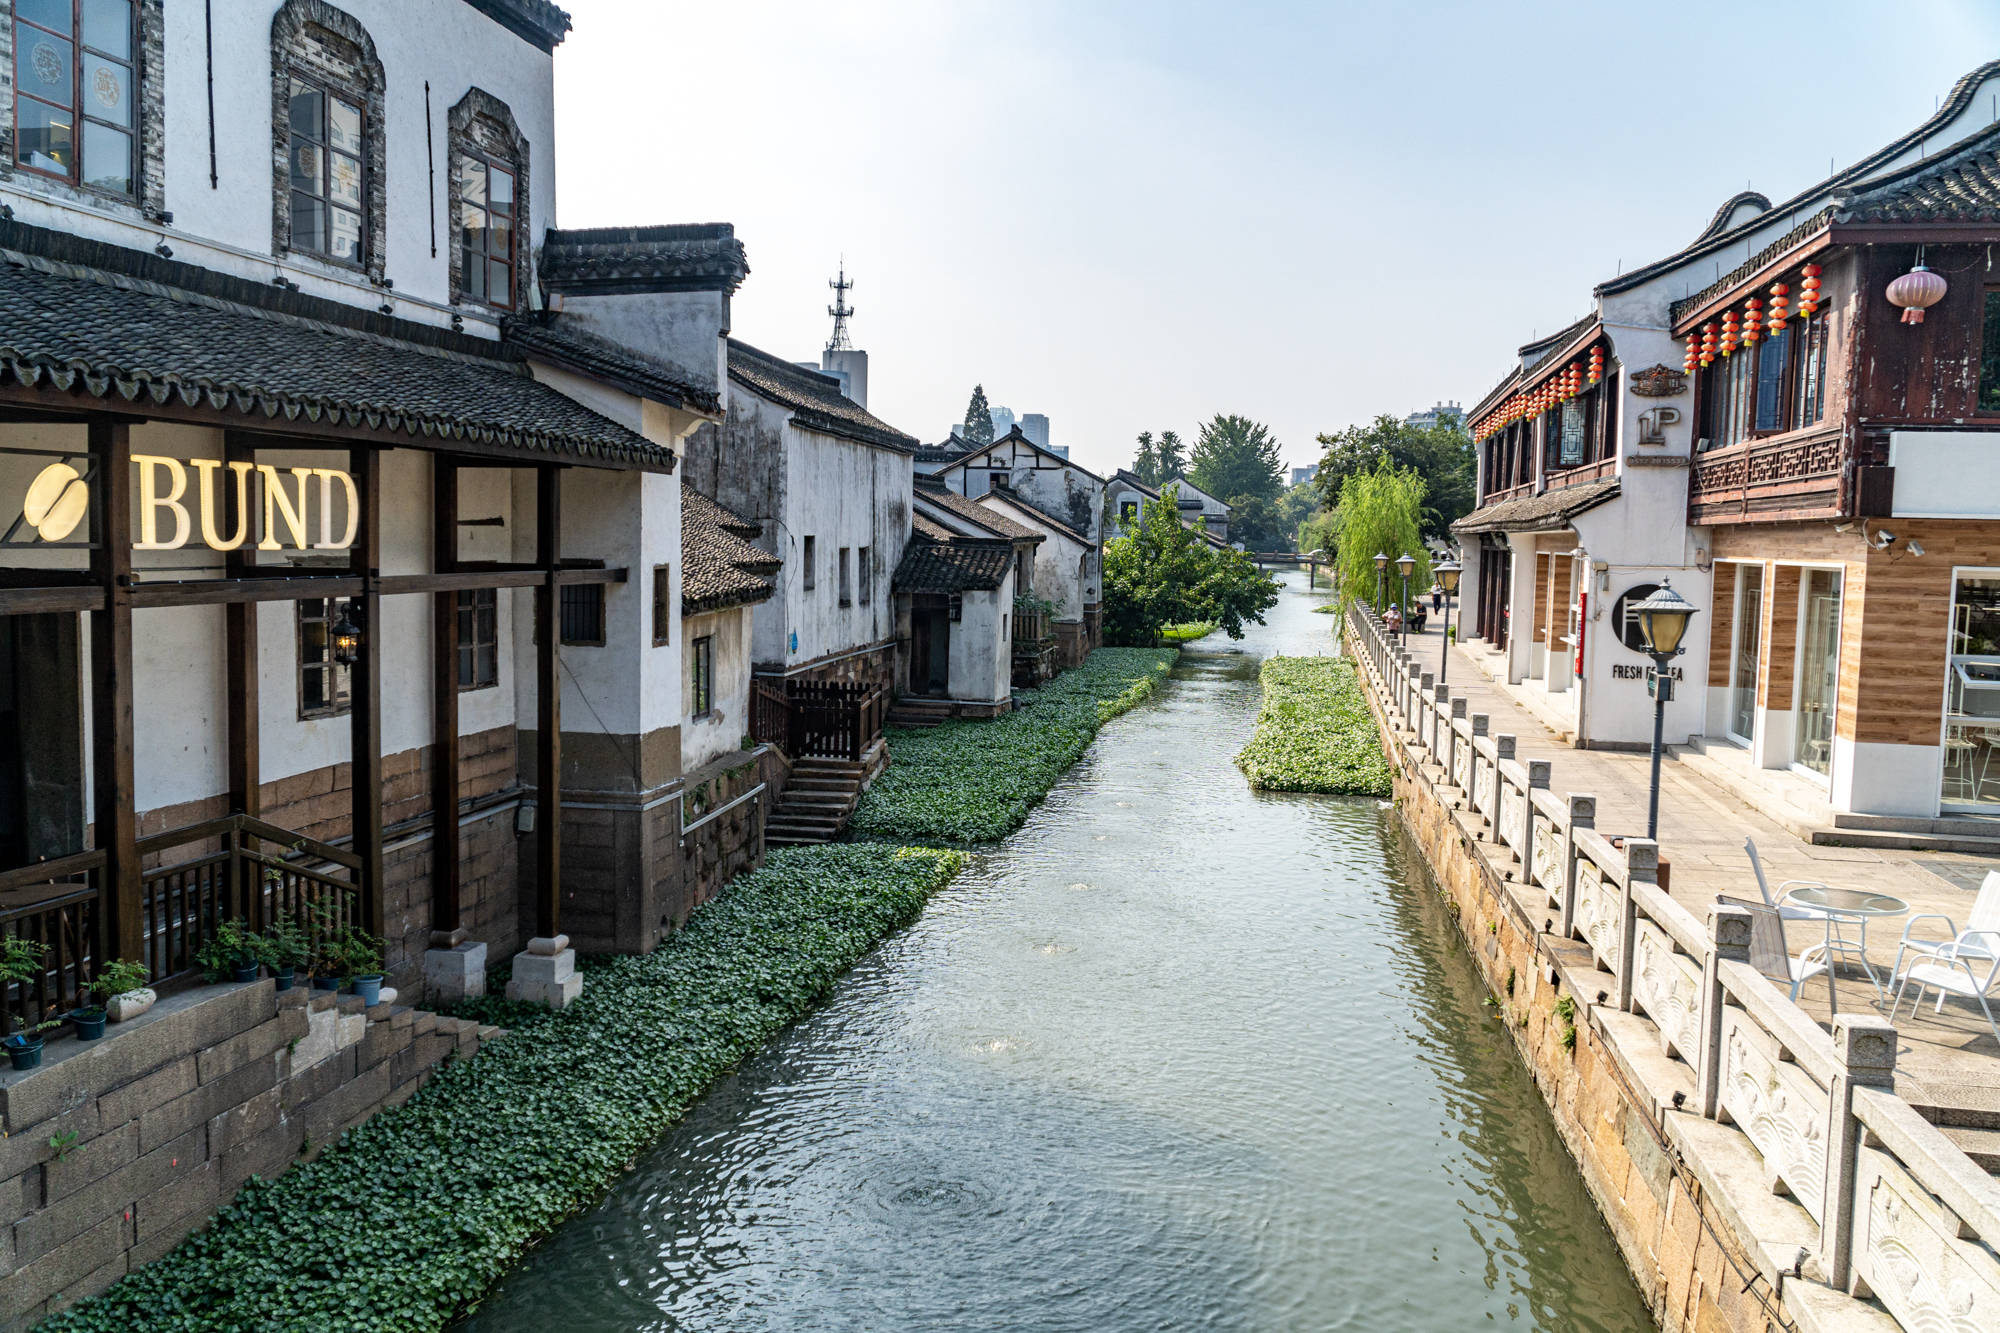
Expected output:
(1405, 563)
(1663, 619)
(1447, 576)
(1381, 562)
(346, 639)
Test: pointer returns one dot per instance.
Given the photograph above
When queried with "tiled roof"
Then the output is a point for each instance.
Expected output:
(557, 338)
(1749, 268)
(535, 21)
(1026, 502)
(1964, 187)
(943, 452)
(958, 566)
(815, 400)
(935, 531)
(719, 568)
(122, 326)
(1551, 509)
(683, 257)
(973, 512)
(1131, 479)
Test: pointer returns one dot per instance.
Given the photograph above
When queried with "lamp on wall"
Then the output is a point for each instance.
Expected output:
(1663, 620)
(347, 637)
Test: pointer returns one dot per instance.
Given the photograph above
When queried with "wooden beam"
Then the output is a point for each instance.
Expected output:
(445, 907)
(266, 587)
(240, 657)
(221, 592)
(114, 791)
(548, 704)
(365, 688)
(33, 601)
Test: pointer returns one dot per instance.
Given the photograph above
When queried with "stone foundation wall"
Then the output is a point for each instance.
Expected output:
(877, 666)
(1072, 644)
(158, 1123)
(715, 852)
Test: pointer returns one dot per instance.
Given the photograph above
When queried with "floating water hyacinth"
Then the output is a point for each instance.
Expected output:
(1315, 733)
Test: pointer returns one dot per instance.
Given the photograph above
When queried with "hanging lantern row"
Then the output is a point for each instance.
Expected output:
(1775, 312)
(1753, 324)
(1809, 292)
(1597, 363)
(1559, 388)
(1692, 360)
(1708, 352)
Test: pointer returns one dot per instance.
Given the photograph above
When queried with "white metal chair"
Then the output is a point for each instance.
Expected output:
(1955, 969)
(1793, 912)
(1985, 920)
(1768, 951)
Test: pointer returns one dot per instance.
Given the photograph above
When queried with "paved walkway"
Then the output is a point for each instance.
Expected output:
(1951, 1056)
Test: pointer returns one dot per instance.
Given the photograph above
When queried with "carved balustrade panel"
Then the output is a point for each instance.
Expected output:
(1597, 913)
(1667, 985)
(1483, 788)
(1550, 861)
(1514, 818)
(1461, 764)
(1776, 1104)
(1908, 1249)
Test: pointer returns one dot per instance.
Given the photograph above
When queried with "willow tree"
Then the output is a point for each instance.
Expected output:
(1381, 511)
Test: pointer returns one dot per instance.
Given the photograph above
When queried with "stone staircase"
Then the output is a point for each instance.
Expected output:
(1971, 1120)
(915, 711)
(819, 798)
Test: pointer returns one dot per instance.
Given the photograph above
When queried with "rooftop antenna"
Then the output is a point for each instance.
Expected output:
(840, 310)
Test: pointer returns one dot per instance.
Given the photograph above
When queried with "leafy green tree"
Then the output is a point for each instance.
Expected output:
(1236, 456)
(1381, 510)
(1442, 455)
(1295, 506)
(1257, 523)
(1162, 572)
(1173, 458)
(978, 427)
(1146, 465)
(1319, 531)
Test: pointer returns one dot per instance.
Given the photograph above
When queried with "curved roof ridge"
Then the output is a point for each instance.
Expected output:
(1720, 222)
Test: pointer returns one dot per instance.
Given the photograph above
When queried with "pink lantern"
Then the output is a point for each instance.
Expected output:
(1916, 291)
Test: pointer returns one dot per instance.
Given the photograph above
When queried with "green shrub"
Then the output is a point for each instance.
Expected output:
(408, 1219)
(1315, 732)
(975, 781)
(1188, 633)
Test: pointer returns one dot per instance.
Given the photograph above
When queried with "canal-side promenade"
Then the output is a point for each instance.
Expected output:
(1755, 1168)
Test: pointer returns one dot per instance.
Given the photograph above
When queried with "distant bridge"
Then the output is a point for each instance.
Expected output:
(1293, 558)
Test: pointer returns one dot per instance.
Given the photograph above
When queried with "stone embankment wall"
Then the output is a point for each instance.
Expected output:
(1757, 1173)
(117, 1149)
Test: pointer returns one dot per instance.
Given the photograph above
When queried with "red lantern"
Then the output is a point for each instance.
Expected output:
(1729, 327)
(1693, 357)
(1916, 291)
(1707, 343)
(1778, 314)
(1809, 292)
(1753, 327)
(1596, 363)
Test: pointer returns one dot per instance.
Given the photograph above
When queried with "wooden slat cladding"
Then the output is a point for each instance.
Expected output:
(1781, 632)
(1540, 620)
(1928, 372)
(1722, 603)
(1558, 604)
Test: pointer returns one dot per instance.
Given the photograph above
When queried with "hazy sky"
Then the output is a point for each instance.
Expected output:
(1132, 216)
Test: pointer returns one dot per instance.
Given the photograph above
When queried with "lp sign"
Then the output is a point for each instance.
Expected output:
(173, 505)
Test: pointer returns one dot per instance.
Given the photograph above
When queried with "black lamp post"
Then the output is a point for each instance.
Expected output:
(346, 637)
(1381, 585)
(1404, 564)
(1663, 620)
(1447, 577)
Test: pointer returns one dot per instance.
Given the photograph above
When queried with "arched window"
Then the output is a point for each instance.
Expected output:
(488, 204)
(328, 189)
(85, 103)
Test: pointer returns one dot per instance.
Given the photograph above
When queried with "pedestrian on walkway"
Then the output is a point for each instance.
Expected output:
(1437, 598)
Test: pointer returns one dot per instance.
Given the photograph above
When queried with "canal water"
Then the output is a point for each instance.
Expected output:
(1176, 1055)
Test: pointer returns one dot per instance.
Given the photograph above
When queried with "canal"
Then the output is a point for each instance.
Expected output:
(1174, 1056)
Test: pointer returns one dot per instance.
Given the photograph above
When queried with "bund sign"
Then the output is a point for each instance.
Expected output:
(174, 507)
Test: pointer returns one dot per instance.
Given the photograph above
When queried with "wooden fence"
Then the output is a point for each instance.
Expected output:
(1903, 1214)
(817, 719)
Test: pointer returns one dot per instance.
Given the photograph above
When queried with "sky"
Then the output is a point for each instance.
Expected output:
(1133, 216)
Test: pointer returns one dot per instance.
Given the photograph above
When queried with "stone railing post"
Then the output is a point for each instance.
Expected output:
(1420, 713)
(1441, 724)
(1864, 1048)
(1538, 780)
(1642, 866)
(1582, 815)
(1480, 723)
(1728, 941)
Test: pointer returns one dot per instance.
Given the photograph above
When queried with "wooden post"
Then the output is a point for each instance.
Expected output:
(240, 626)
(114, 792)
(365, 689)
(548, 703)
(446, 931)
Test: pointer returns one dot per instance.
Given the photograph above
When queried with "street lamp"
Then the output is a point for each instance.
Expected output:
(1404, 564)
(1663, 620)
(1447, 577)
(1381, 574)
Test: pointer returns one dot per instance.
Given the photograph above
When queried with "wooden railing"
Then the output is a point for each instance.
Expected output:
(1902, 1212)
(54, 904)
(1031, 627)
(817, 719)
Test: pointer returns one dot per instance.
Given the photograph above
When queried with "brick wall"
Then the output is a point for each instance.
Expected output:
(877, 666)
(733, 842)
(165, 1117)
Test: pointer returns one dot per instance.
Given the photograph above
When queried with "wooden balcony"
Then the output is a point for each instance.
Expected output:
(1772, 479)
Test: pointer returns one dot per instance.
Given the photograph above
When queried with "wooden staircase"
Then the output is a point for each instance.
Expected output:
(820, 797)
(917, 711)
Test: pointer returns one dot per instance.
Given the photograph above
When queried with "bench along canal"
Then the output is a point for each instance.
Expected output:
(1175, 1055)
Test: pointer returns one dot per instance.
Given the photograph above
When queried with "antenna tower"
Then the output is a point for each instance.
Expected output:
(840, 310)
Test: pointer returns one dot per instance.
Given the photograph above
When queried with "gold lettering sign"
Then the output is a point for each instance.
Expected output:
(169, 510)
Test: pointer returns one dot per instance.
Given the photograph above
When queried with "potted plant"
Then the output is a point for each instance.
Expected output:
(360, 963)
(24, 1048)
(122, 986)
(233, 951)
(288, 950)
(88, 1020)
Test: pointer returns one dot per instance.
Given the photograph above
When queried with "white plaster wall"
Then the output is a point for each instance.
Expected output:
(982, 651)
(1886, 779)
(1064, 567)
(684, 329)
(1617, 709)
(723, 730)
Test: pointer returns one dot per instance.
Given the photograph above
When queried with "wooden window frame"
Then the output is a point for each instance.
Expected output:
(663, 606)
(338, 691)
(701, 677)
(77, 108)
(1716, 387)
(487, 258)
(1988, 295)
(328, 92)
(471, 603)
(590, 599)
(808, 558)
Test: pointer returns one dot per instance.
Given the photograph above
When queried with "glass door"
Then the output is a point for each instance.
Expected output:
(1819, 670)
(1972, 697)
(1749, 651)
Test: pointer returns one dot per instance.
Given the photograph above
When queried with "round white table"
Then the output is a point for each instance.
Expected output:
(1842, 906)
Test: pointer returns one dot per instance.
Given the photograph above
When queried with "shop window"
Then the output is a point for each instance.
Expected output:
(807, 558)
(701, 676)
(478, 638)
(580, 617)
(663, 607)
(325, 686)
(864, 570)
(76, 92)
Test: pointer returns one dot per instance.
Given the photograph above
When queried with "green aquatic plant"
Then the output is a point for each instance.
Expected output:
(1315, 733)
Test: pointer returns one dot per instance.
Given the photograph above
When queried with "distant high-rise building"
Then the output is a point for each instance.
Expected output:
(1302, 475)
(1003, 420)
(1436, 416)
(1035, 425)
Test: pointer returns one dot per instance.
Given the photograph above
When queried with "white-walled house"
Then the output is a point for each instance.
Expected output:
(955, 601)
(1067, 569)
(1199, 506)
(379, 530)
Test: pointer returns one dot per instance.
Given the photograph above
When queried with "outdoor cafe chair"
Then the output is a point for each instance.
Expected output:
(1955, 969)
(1985, 920)
(1793, 912)
(1768, 952)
